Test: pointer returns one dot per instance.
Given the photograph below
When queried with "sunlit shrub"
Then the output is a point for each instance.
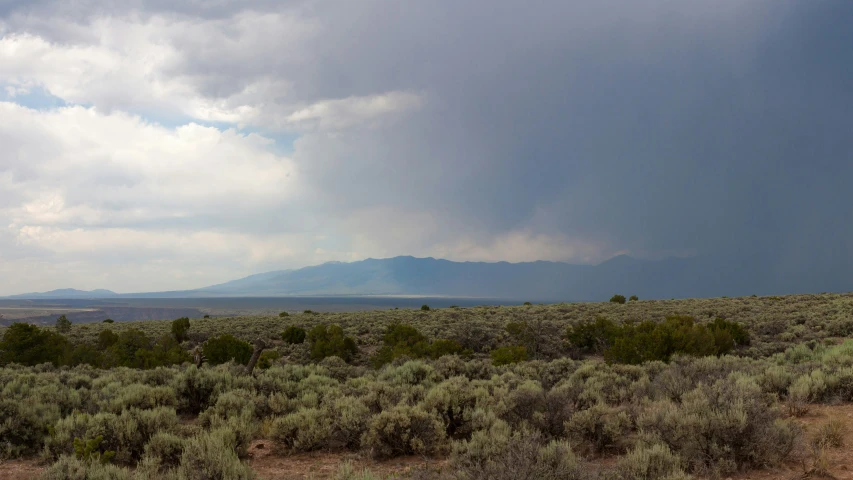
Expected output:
(600, 427)
(304, 430)
(166, 448)
(501, 454)
(404, 430)
(210, 456)
(722, 427)
(654, 462)
(68, 467)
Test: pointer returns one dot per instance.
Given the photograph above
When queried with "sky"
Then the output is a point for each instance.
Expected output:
(152, 145)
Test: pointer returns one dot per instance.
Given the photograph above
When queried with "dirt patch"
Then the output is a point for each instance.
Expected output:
(838, 462)
(266, 460)
(27, 469)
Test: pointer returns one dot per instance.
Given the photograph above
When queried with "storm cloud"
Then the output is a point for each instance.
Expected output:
(162, 145)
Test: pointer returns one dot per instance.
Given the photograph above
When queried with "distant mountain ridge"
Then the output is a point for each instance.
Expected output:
(701, 276)
(67, 293)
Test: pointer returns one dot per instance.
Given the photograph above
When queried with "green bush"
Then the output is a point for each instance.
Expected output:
(650, 463)
(501, 454)
(425, 308)
(126, 434)
(404, 430)
(599, 426)
(405, 341)
(210, 456)
(30, 345)
(283, 314)
(166, 448)
(304, 430)
(617, 299)
(454, 401)
(267, 358)
(106, 339)
(68, 467)
(735, 330)
(108, 320)
(723, 427)
(293, 335)
(633, 298)
(593, 335)
(635, 343)
(90, 451)
(180, 329)
(23, 425)
(508, 355)
(226, 348)
(327, 341)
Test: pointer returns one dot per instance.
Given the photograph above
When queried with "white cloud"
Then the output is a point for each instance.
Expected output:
(342, 113)
(216, 70)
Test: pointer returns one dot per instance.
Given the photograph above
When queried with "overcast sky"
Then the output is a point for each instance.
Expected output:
(175, 144)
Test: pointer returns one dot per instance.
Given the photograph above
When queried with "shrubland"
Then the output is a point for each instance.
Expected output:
(670, 389)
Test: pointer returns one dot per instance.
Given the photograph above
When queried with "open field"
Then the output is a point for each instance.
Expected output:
(481, 392)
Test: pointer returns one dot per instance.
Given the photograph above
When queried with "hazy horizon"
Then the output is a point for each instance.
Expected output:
(159, 146)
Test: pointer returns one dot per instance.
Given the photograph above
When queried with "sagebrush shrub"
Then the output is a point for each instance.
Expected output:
(404, 430)
(722, 427)
(501, 454)
(166, 448)
(211, 456)
(454, 401)
(600, 427)
(24, 425)
(304, 430)
(68, 467)
(126, 434)
(654, 462)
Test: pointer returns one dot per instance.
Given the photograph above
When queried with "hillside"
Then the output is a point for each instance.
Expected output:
(702, 276)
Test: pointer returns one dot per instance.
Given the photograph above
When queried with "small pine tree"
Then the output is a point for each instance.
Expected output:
(63, 325)
(617, 299)
(224, 348)
(180, 329)
(425, 308)
(293, 335)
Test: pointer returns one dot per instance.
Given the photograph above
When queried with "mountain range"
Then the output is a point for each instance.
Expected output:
(700, 276)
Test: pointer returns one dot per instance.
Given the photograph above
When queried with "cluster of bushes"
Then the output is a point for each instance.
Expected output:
(30, 345)
(774, 324)
(491, 388)
(534, 419)
(405, 341)
(635, 343)
(329, 341)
